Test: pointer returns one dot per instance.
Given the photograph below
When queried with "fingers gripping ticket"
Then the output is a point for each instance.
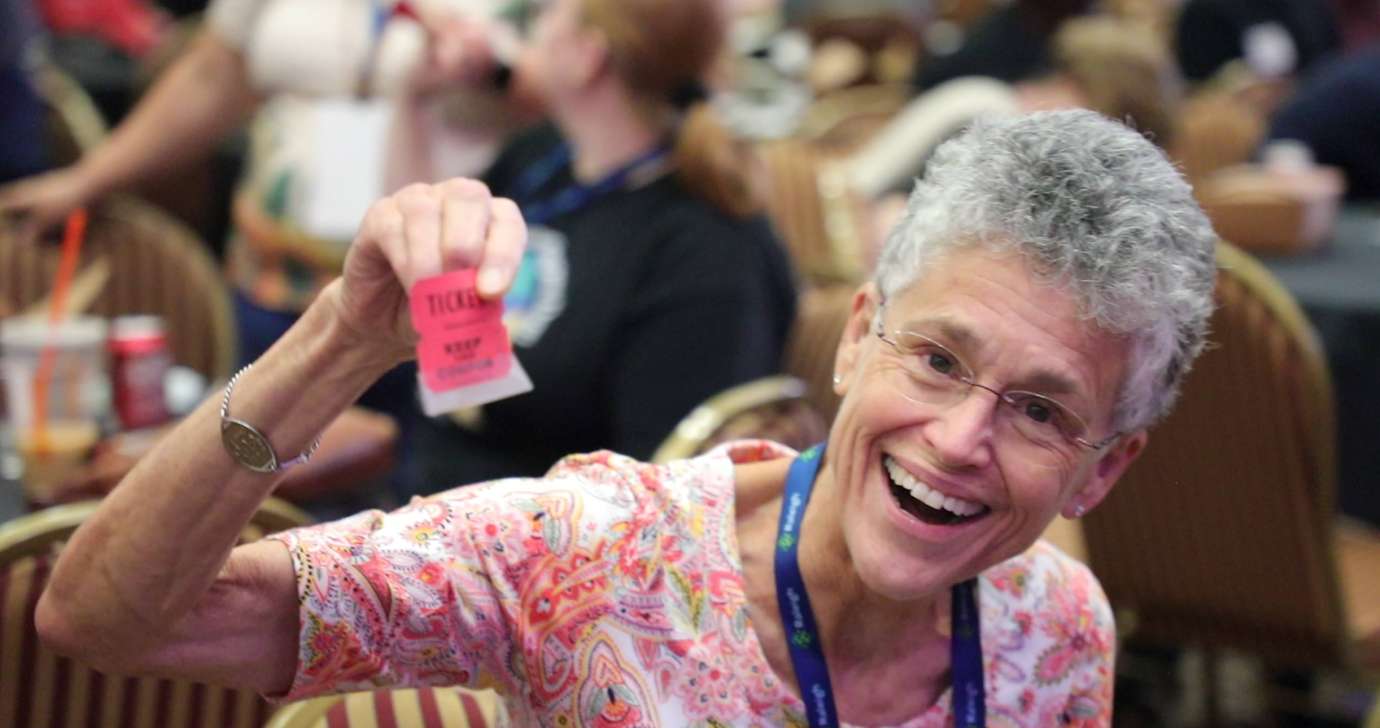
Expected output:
(425, 230)
(456, 249)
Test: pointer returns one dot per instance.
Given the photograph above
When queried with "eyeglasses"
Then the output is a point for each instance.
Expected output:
(941, 378)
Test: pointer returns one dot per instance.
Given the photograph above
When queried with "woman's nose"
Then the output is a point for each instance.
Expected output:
(961, 436)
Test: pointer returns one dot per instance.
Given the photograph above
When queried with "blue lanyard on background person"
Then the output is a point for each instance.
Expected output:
(575, 196)
(802, 634)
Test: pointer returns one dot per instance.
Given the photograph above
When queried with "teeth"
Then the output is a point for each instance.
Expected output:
(929, 496)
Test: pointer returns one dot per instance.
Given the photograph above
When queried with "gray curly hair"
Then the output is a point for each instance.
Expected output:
(1091, 205)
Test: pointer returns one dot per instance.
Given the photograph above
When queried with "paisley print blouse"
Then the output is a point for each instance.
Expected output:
(610, 594)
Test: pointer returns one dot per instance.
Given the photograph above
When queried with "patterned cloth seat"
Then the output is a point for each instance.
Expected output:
(413, 708)
(41, 689)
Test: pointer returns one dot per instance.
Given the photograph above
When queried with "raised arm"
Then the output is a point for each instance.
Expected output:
(457, 65)
(204, 96)
(153, 582)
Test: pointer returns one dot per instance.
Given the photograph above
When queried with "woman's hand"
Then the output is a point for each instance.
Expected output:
(422, 231)
(42, 202)
(459, 53)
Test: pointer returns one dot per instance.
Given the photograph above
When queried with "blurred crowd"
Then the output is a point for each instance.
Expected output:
(695, 174)
(658, 214)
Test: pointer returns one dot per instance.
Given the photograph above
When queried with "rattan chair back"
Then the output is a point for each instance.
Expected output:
(42, 689)
(1221, 534)
(157, 266)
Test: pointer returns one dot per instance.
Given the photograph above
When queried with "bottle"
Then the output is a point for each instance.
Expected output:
(139, 361)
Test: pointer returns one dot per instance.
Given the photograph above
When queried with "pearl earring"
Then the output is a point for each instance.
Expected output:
(838, 378)
(1079, 510)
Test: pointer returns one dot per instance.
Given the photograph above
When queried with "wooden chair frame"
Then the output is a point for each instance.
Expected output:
(705, 420)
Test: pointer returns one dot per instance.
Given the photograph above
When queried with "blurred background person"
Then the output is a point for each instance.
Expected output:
(22, 146)
(1359, 23)
(1274, 37)
(277, 64)
(651, 281)
(1013, 42)
(1336, 113)
(1116, 67)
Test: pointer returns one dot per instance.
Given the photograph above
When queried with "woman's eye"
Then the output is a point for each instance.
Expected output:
(1040, 412)
(940, 362)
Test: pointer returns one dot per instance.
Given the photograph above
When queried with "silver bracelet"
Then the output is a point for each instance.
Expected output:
(247, 445)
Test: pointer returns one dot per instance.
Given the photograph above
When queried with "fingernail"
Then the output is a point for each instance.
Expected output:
(490, 280)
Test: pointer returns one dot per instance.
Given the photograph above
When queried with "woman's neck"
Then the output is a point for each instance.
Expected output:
(605, 131)
(888, 661)
(889, 629)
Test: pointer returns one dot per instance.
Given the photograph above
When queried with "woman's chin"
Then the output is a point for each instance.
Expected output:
(901, 577)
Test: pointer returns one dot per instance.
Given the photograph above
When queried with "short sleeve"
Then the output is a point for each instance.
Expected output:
(233, 20)
(425, 595)
(457, 588)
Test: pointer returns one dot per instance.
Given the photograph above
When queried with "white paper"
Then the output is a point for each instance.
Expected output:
(434, 404)
(348, 156)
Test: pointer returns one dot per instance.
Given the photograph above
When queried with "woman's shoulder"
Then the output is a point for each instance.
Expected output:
(1049, 637)
(693, 238)
(1047, 579)
(695, 219)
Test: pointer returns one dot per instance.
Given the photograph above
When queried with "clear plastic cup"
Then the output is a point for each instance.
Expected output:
(78, 397)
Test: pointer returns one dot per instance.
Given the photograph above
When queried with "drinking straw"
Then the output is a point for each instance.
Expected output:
(72, 238)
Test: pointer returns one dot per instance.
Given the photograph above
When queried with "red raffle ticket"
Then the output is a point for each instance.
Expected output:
(464, 356)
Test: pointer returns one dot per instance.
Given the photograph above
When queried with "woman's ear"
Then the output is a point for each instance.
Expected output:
(589, 57)
(865, 302)
(1106, 472)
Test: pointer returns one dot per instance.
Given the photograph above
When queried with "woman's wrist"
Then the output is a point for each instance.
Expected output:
(97, 174)
(352, 347)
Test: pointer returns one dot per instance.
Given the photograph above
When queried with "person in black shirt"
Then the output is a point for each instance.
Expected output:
(649, 282)
(22, 147)
(1335, 113)
(1011, 43)
(1211, 33)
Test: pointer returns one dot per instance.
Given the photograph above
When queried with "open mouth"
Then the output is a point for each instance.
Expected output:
(927, 504)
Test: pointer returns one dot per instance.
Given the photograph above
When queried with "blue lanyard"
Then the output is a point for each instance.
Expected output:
(576, 196)
(802, 635)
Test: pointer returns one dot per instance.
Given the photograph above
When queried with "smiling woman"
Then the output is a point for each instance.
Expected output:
(891, 576)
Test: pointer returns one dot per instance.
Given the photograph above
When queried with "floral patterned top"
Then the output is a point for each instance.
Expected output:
(610, 593)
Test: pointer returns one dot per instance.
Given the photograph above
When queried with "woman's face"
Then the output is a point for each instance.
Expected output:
(560, 55)
(895, 438)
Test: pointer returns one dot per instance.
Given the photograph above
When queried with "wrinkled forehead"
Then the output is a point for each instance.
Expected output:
(997, 312)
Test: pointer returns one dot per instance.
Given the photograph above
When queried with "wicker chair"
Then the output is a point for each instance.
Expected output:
(819, 323)
(772, 408)
(1215, 129)
(424, 708)
(1223, 534)
(845, 119)
(74, 124)
(157, 266)
(822, 224)
(42, 689)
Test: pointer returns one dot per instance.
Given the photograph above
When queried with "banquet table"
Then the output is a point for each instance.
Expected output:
(1338, 287)
(347, 474)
